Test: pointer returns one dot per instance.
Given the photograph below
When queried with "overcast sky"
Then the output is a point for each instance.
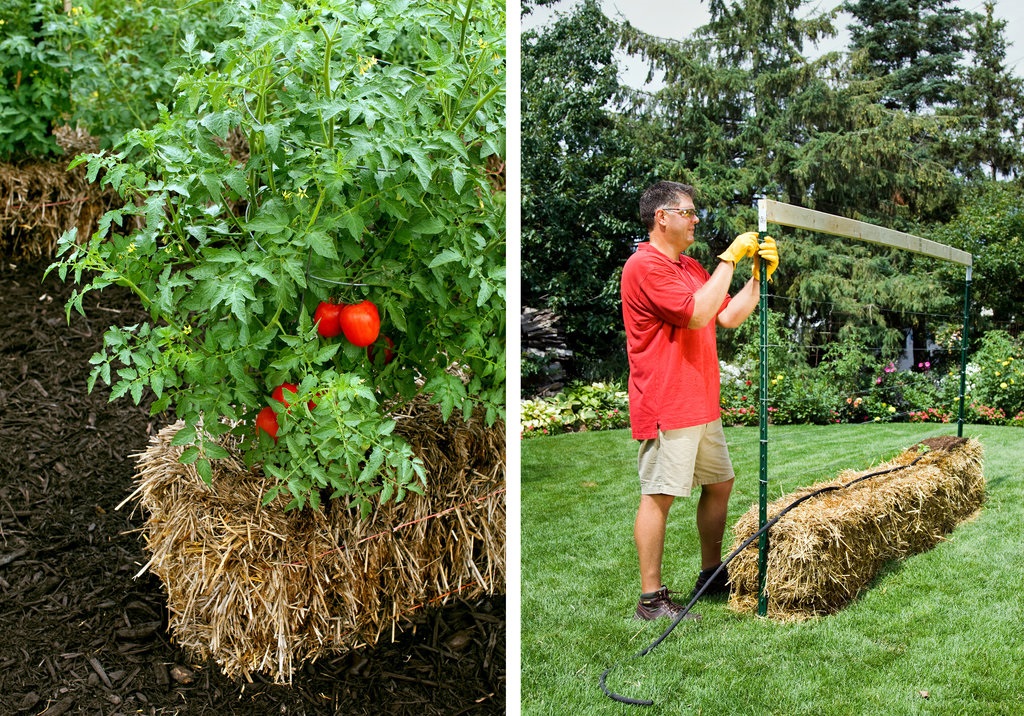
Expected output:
(677, 18)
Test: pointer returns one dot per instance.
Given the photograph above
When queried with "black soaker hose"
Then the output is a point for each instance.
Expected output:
(746, 543)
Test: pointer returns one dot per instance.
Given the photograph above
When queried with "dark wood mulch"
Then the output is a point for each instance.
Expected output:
(79, 633)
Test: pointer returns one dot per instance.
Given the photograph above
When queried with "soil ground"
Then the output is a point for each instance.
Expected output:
(79, 632)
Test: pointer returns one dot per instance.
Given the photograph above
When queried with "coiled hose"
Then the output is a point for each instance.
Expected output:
(746, 543)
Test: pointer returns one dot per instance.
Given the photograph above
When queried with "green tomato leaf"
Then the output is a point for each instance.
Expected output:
(205, 470)
(445, 257)
(322, 244)
(184, 436)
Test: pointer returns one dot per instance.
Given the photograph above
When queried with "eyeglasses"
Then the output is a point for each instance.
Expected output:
(682, 212)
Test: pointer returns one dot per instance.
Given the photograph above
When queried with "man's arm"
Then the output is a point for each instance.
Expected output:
(708, 298)
(741, 305)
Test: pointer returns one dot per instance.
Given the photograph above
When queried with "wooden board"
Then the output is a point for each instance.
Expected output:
(775, 212)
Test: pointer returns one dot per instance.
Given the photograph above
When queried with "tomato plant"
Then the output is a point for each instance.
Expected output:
(360, 322)
(102, 64)
(368, 128)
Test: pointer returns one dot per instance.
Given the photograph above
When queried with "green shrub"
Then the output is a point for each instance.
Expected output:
(592, 402)
(739, 393)
(580, 407)
(123, 58)
(848, 364)
(984, 414)
(930, 415)
(103, 65)
(894, 394)
(800, 399)
(996, 373)
(549, 416)
(34, 86)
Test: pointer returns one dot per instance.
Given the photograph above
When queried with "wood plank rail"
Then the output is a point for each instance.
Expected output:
(797, 217)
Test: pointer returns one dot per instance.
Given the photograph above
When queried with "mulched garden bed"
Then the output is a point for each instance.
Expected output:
(79, 633)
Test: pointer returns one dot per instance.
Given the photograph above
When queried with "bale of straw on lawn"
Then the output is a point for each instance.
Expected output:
(824, 552)
(258, 589)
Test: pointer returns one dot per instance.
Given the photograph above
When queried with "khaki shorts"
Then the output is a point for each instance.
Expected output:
(676, 460)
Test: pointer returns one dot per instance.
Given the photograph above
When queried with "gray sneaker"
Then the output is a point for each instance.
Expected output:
(660, 605)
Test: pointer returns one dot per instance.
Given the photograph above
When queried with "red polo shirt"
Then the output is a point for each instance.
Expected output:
(673, 370)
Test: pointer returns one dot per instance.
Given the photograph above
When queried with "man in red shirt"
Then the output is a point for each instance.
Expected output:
(671, 306)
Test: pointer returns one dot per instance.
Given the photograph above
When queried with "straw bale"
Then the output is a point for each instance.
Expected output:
(41, 200)
(258, 589)
(824, 552)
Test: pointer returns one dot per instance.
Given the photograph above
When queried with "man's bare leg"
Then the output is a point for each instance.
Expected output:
(649, 535)
(712, 510)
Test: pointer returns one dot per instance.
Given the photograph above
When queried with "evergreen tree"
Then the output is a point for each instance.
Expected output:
(581, 180)
(989, 103)
(744, 113)
(913, 46)
(727, 119)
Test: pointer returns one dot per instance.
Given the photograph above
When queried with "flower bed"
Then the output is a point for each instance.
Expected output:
(876, 393)
(582, 407)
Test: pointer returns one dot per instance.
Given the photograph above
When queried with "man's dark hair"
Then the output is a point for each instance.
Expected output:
(659, 196)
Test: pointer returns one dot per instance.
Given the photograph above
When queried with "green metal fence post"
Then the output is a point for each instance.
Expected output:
(762, 545)
(963, 354)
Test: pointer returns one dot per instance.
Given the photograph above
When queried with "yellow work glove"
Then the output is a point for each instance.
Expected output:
(768, 251)
(742, 246)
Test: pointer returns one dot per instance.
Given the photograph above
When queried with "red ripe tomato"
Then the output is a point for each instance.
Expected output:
(326, 319)
(389, 353)
(267, 422)
(360, 323)
(278, 393)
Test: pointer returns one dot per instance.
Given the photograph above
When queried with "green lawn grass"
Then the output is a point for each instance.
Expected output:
(948, 622)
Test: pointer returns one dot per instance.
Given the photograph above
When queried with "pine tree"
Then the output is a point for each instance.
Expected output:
(913, 46)
(989, 104)
(745, 113)
(582, 175)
